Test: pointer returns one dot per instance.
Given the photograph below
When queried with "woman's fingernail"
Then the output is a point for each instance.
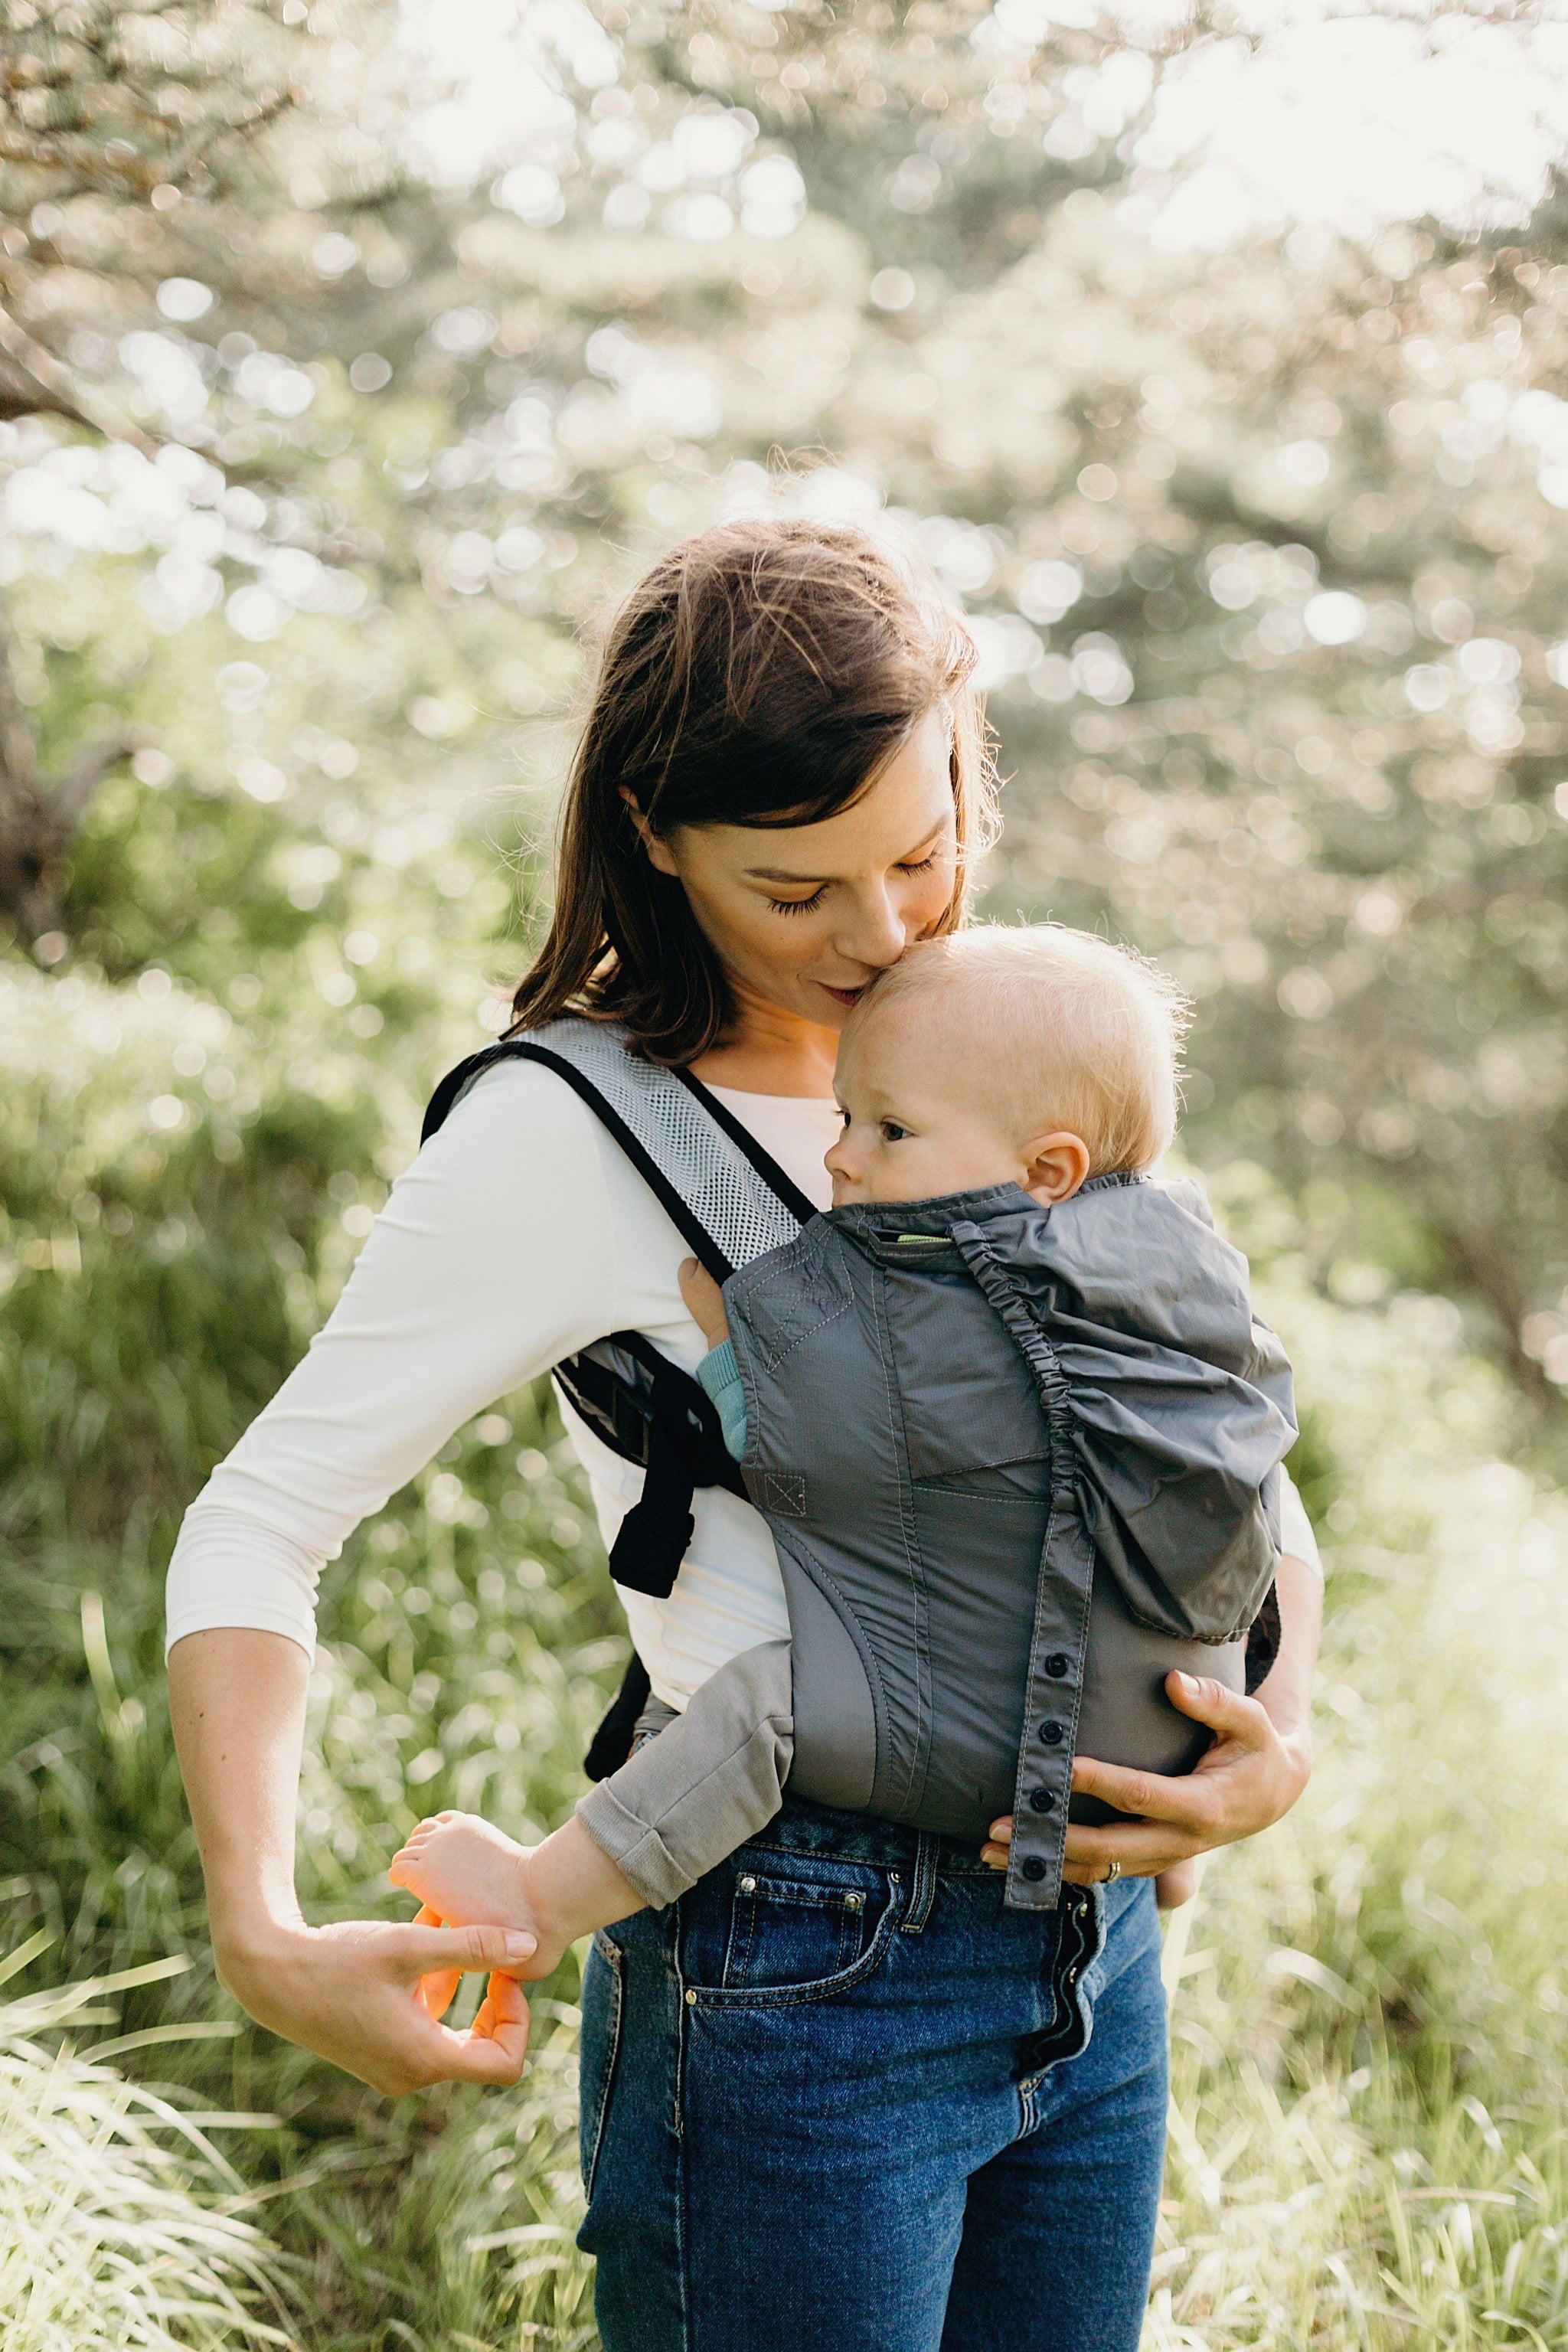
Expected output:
(518, 1945)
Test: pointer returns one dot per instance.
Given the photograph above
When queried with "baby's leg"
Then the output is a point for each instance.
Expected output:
(712, 1779)
(465, 1869)
(467, 1872)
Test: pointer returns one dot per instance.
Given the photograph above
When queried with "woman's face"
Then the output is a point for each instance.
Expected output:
(803, 917)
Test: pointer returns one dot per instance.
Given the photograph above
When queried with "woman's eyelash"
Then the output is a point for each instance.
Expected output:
(805, 906)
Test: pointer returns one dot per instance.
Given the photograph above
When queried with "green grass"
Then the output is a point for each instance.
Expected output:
(1370, 2024)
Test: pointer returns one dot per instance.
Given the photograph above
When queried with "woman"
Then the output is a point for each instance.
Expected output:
(902, 2140)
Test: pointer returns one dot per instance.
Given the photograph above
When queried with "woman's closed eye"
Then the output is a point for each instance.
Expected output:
(807, 906)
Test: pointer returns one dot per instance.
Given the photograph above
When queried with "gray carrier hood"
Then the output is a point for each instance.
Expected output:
(1176, 1401)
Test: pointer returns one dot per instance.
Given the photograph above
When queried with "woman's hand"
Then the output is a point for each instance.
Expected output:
(1260, 1761)
(351, 1992)
(1250, 1777)
(369, 1996)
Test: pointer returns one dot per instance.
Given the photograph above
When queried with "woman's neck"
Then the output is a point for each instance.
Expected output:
(767, 1051)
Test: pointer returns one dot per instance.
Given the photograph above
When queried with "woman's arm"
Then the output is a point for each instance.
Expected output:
(350, 1992)
(494, 1256)
(1260, 1761)
(492, 1259)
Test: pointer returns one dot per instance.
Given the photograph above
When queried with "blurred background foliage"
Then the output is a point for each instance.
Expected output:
(330, 434)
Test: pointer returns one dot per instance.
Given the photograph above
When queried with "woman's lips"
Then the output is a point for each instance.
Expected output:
(846, 995)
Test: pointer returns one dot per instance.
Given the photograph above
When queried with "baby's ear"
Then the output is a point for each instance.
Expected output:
(1055, 1165)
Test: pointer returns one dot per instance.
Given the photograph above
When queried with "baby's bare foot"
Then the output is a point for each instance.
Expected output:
(467, 1870)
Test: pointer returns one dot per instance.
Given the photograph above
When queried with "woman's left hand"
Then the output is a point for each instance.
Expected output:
(1250, 1777)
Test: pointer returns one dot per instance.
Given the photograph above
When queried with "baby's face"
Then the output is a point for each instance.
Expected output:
(913, 1125)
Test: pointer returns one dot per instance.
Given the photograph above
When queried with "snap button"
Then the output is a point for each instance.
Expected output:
(1056, 1664)
(1042, 1800)
(1034, 1868)
(1052, 1734)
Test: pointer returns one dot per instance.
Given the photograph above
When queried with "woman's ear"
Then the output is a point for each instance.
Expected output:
(658, 852)
(1055, 1166)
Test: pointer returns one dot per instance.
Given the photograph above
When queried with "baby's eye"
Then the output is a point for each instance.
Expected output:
(892, 1132)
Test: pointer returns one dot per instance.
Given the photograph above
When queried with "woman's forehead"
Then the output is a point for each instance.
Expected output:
(907, 807)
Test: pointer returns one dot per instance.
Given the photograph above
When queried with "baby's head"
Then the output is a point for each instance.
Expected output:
(1037, 1057)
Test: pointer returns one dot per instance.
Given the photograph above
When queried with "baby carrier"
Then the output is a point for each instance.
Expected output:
(940, 1699)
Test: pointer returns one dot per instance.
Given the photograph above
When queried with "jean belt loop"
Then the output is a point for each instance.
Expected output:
(924, 1888)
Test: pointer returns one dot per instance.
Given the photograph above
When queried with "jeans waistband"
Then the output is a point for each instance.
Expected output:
(801, 1827)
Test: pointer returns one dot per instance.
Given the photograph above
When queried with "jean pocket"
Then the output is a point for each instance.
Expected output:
(776, 1935)
(604, 2000)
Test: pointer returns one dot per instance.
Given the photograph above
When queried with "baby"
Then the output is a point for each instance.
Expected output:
(1073, 1087)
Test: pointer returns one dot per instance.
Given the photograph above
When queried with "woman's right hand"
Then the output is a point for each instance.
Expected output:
(353, 1992)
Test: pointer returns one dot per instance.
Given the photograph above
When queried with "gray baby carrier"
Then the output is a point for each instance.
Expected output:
(1002, 1512)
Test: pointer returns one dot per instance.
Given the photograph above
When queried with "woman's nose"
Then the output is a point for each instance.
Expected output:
(875, 933)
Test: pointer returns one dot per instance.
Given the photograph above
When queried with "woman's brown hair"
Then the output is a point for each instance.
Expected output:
(761, 674)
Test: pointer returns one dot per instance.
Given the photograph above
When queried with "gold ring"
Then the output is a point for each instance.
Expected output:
(1113, 1871)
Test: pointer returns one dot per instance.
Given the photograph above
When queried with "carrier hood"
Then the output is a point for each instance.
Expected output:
(1173, 1402)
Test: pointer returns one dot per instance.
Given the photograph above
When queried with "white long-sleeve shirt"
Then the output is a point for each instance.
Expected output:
(520, 1234)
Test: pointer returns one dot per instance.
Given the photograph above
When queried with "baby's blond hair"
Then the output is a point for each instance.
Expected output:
(1059, 1030)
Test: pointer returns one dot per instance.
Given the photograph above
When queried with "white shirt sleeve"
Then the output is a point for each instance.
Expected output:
(494, 1256)
(1296, 1536)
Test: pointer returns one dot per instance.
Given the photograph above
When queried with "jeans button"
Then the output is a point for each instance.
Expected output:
(1034, 1868)
(1042, 1800)
(1056, 1664)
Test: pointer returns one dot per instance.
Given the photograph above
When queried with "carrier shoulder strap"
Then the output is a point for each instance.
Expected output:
(723, 1193)
(732, 1202)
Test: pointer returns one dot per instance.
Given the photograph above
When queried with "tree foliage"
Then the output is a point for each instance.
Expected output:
(1261, 547)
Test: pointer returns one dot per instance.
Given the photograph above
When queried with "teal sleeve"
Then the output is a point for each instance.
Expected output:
(720, 1374)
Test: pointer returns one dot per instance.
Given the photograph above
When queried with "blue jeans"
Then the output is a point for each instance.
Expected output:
(838, 2095)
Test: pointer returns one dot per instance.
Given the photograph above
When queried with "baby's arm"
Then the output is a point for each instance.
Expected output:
(712, 1779)
(719, 1373)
